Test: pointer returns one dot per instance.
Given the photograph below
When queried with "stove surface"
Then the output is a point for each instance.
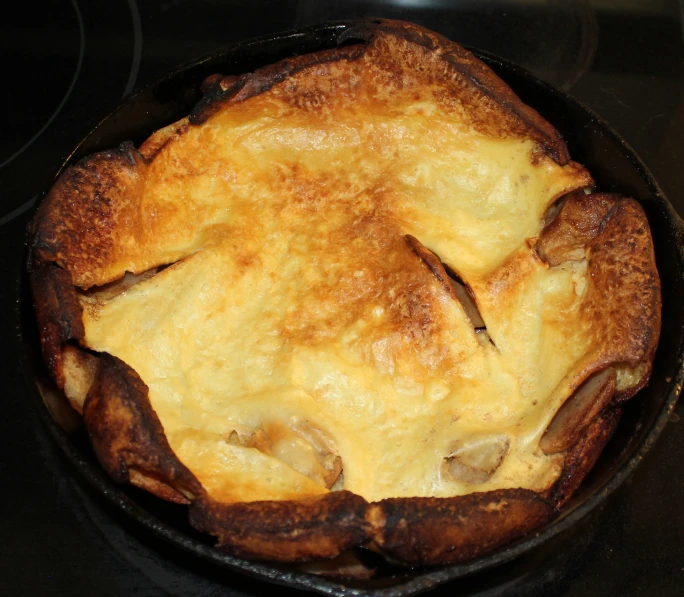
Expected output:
(71, 62)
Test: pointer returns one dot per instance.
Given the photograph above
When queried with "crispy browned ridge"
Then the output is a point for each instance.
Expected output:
(451, 530)
(78, 228)
(128, 437)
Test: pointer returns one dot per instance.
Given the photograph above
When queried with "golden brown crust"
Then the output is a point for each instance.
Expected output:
(623, 294)
(499, 110)
(128, 438)
(622, 299)
(623, 305)
(218, 91)
(581, 458)
(157, 140)
(469, 82)
(419, 531)
(129, 442)
(82, 222)
(286, 531)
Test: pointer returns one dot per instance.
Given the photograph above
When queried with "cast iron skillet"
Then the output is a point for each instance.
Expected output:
(591, 142)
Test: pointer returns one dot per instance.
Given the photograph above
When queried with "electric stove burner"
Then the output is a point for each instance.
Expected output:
(555, 40)
(23, 118)
(72, 62)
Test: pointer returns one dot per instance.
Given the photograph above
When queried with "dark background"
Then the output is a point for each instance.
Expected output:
(67, 63)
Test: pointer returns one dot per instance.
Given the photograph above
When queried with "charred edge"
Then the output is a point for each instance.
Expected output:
(43, 224)
(361, 32)
(220, 90)
(581, 458)
(214, 95)
(490, 85)
(367, 29)
(128, 437)
(432, 531)
(58, 311)
(285, 531)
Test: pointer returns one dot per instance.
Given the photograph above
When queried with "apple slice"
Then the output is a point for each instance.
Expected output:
(475, 461)
(579, 411)
(306, 449)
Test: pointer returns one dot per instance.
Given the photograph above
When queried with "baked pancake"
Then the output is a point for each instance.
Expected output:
(361, 297)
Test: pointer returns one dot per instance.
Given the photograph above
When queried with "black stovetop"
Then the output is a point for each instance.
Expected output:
(69, 62)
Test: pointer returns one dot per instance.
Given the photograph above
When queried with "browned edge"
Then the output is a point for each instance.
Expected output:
(129, 439)
(78, 223)
(286, 531)
(237, 88)
(580, 459)
(472, 71)
(58, 312)
(430, 531)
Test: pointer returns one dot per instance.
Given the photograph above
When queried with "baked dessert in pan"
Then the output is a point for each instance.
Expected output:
(361, 297)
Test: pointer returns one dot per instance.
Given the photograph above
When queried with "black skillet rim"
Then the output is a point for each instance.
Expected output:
(116, 495)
